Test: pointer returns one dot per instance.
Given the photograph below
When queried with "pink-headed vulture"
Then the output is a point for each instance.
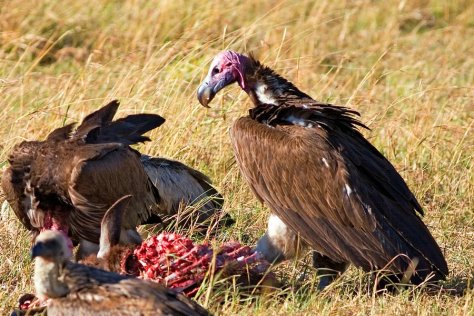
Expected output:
(322, 180)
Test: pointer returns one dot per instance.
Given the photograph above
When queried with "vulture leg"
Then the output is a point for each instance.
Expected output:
(327, 269)
(279, 242)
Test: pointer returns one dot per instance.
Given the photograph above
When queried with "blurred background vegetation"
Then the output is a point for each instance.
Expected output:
(407, 66)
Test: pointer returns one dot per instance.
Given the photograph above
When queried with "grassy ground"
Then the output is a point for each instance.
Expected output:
(407, 66)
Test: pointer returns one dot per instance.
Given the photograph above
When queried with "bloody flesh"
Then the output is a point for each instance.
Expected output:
(175, 261)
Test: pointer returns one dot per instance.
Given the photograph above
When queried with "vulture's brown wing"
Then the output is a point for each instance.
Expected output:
(102, 174)
(98, 126)
(128, 297)
(334, 190)
(98, 292)
(61, 133)
(96, 119)
(128, 130)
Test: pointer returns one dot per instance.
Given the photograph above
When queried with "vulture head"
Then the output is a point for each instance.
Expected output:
(50, 251)
(226, 68)
(261, 83)
(51, 245)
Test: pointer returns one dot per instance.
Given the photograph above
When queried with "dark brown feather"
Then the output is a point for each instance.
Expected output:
(76, 177)
(127, 130)
(97, 119)
(61, 133)
(316, 171)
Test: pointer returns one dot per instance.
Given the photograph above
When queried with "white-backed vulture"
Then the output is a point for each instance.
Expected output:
(77, 289)
(321, 178)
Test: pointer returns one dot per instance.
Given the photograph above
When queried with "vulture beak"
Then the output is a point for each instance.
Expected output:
(38, 250)
(205, 94)
(213, 84)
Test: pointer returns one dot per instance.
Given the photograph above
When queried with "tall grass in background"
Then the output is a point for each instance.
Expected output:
(407, 66)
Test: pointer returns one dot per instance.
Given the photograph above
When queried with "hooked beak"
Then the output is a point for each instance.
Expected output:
(211, 85)
(37, 250)
(205, 94)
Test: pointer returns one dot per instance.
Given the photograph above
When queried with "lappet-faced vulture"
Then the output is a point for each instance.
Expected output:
(322, 179)
(68, 181)
(77, 289)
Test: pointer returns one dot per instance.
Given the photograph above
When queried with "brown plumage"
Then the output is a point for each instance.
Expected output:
(321, 178)
(69, 180)
(76, 289)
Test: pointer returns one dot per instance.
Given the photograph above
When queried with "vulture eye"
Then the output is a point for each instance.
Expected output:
(215, 70)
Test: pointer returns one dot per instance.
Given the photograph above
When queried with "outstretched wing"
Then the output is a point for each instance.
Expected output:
(338, 192)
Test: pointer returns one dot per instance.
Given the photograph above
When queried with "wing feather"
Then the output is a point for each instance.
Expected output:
(349, 210)
(96, 183)
(179, 184)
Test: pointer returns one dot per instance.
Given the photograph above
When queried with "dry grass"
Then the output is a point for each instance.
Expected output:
(407, 66)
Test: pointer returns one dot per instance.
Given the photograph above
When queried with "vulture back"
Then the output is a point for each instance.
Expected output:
(70, 179)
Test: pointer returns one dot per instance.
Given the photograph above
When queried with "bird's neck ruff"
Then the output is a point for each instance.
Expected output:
(278, 101)
(265, 86)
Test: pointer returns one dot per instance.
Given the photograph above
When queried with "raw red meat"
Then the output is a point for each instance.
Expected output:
(178, 263)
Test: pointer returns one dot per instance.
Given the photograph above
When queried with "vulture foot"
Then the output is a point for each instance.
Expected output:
(327, 269)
